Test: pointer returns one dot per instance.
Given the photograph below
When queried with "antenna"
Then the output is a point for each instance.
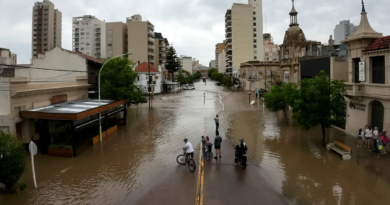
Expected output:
(265, 22)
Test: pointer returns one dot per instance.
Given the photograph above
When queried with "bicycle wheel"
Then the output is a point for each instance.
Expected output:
(191, 165)
(181, 159)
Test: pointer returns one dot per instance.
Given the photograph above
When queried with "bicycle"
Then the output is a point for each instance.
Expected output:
(190, 162)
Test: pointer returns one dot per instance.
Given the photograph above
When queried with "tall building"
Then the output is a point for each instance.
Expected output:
(219, 48)
(222, 62)
(343, 30)
(89, 36)
(270, 49)
(213, 64)
(116, 39)
(161, 46)
(244, 34)
(140, 39)
(46, 27)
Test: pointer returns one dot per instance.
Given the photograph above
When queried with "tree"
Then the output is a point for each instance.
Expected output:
(172, 63)
(197, 75)
(211, 71)
(12, 164)
(320, 102)
(117, 80)
(184, 77)
(138, 97)
(281, 97)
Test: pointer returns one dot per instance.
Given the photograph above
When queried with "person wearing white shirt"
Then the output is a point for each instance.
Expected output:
(368, 136)
(189, 149)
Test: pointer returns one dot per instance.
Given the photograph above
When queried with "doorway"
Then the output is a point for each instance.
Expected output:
(377, 115)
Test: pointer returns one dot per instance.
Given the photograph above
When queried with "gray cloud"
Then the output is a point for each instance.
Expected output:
(193, 26)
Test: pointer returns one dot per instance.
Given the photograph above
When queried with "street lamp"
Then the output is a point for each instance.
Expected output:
(100, 119)
(250, 81)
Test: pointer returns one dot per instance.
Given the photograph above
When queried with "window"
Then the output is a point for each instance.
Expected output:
(87, 33)
(87, 38)
(286, 76)
(254, 41)
(109, 31)
(254, 24)
(87, 43)
(254, 18)
(110, 44)
(82, 43)
(254, 35)
(267, 50)
(254, 46)
(254, 29)
(255, 57)
(109, 38)
(81, 49)
(296, 78)
(82, 33)
(378, 69)
(254, 13)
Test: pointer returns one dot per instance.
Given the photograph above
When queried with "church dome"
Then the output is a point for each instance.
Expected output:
(294, 33)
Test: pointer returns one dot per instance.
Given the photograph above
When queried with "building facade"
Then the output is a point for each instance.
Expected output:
(89, 36)
(46, 28)
(222, 62)
(259, 74)
(295, 47)
(7, 57)
(58, 73)
(161, 46)
(213, 64)
(140, 39)
(244, 34)
(143, 70)
(219, 48)
(342, 30)
(116, 39)
(186, 63)
(271, 50)
(368, 86)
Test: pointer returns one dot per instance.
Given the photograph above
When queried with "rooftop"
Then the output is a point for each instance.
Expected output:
(72, 110)
(379, 43)
(144, 68)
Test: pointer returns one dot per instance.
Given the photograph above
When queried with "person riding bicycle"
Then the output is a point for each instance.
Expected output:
(240, 150)
(188, 149)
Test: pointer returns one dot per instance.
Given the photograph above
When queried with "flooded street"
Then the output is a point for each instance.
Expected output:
(141, 158)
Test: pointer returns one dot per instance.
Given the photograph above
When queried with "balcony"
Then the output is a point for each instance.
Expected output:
(228, 35)
(150, 34)
(97, 35)
(97, 30)
(151, 48)
(97, 39)
(367, 90)
(151, 40)
(97, 44)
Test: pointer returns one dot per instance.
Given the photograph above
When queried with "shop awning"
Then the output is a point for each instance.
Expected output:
(72, 110)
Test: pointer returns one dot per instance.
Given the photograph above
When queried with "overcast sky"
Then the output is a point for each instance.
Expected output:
(193, 26)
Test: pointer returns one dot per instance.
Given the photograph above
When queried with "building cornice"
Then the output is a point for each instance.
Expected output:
(40, 91)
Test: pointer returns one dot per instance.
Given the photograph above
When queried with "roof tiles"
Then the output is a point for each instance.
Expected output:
(144, 68)
(379, 43)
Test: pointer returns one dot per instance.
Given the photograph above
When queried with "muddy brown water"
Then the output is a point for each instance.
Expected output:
(130, 161)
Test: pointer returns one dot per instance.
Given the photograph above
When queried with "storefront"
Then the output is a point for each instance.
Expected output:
(75, 123)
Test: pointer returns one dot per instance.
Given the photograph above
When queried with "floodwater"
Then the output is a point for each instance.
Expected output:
(130, 161)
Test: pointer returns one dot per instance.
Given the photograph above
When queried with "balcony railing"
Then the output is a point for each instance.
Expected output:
(151, 48)
(367, 89)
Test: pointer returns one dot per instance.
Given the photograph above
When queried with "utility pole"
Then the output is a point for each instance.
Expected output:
(149, 88)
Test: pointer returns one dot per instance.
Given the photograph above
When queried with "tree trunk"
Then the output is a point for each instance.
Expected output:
(285, 115)
(323, 134)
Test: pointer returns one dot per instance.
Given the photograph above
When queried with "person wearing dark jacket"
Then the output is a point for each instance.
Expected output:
(217, 145)
(240, 150)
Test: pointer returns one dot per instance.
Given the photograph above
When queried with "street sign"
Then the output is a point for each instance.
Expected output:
(33, 148)
(362, 71)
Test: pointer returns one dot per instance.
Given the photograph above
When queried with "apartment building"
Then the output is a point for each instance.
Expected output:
(219, 48)
(89, 36)
(116, 39)
(270, 48)
(342, 30)
(244, 34)
(161, 46)
(7, 57)
(46, 27)
(140, 39)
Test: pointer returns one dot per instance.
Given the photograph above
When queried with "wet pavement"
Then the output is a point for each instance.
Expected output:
(137, 164)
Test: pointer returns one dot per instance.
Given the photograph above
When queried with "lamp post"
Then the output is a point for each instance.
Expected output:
(250, 81)
(100, 117)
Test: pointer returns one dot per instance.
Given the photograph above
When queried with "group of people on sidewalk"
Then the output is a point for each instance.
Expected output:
(379, 141)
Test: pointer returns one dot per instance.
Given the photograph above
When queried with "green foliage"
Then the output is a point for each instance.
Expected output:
(281, 97)
(184, 77)
(211, 71)
(320, 102)
(60, 146)
(197, 75)
(172, 63)
(117, 80)
(12, 164)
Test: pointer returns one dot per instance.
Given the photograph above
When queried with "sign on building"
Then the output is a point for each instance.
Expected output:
(362, 72)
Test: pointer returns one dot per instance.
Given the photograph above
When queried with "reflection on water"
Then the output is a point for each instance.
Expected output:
(297, 164)
(128, 163)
